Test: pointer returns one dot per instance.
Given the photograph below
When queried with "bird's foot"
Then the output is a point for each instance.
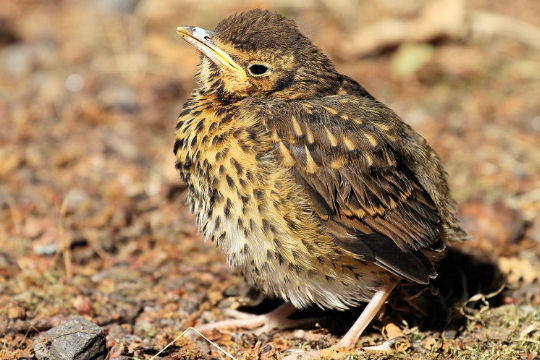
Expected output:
(348, 341)
(275, 319)
(338, 352)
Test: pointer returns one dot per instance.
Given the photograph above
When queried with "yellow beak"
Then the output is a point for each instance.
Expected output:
(203, 40)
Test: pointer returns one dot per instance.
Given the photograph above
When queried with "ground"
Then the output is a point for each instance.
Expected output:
(92, 214)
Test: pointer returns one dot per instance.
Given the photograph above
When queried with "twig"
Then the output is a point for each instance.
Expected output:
(201, 335)
(465, 311)
(390, 344)
(66, 243)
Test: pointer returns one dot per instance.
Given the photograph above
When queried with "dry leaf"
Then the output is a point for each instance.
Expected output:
(391, 330)
(518, 270)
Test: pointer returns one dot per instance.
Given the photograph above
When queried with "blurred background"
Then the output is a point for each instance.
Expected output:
(92, 220)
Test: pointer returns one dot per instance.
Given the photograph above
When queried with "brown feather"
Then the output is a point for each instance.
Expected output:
(374, 206)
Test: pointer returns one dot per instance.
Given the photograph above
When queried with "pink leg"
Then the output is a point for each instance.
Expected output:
(276, 319)
(372, 308)
(351, 337)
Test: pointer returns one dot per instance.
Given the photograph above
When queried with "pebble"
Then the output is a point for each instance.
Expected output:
(76, 339)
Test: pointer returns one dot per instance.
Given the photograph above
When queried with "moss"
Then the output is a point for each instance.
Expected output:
(505, 332)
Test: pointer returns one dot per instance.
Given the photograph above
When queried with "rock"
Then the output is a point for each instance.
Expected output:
(449, 334)
(82, 305)
(77, 339)
(47, 249)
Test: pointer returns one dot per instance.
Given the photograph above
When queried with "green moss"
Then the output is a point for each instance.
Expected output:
(506, 332)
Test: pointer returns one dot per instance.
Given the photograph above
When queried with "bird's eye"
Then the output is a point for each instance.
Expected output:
(258, 69)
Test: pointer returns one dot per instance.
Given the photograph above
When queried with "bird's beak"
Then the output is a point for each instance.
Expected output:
(203, 40)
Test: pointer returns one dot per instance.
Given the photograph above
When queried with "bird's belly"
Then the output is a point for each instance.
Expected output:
(250, 206)
(304, 279)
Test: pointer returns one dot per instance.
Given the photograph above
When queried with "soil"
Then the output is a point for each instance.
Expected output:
(92, 214)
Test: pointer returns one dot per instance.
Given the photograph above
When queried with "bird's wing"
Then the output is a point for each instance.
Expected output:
(341, 150)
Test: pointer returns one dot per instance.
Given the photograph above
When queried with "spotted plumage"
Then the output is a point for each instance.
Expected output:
(316, 191)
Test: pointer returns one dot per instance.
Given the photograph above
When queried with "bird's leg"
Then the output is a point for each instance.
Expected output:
(372, 308)
(351, 337)
(275, 319)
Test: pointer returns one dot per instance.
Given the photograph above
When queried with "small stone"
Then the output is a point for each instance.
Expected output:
(74, 82)
(82, 305)
(47, 249)
(449, 334)
(116, 331)
(77, 339)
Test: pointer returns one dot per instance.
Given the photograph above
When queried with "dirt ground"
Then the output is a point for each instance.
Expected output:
(92, 214)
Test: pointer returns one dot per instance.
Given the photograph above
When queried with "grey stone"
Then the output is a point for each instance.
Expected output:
(76, 339)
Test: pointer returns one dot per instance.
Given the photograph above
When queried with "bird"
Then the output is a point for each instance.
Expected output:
(318, 193)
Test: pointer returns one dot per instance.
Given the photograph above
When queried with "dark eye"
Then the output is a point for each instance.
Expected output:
(257, 69)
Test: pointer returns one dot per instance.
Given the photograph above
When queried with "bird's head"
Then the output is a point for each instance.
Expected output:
(260, 53)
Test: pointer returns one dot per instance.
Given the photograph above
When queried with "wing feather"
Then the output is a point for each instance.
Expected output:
(344, 158)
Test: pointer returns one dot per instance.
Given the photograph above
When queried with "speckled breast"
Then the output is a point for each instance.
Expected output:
(250, 207)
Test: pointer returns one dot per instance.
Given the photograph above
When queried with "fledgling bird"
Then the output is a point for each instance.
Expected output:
(315, 190)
